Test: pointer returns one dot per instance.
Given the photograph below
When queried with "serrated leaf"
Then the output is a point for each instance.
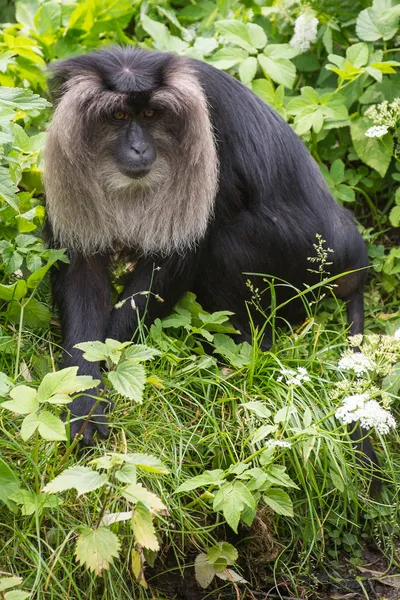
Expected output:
(376, 153)
(143, 528)
(129, 379)
(277, 475)
(93, 351)
(126, 474)
(82, 479)
(96, 549)
(66, 381)
(51, 427)
(207, 478)
(231, 500)
(204, 570)
(146, 462)
(135, 493)
(140, 352)
(280, 70)
(24, 400)
(279, 501)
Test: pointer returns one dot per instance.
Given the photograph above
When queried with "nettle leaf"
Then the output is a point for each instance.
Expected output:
(140, 352)
(82, 479)
(231, 499)
(97, 548)
(204, 570)
(280, 70)
(248, 36)
(279, 501)
(66, 381)
(207, 478)
(143, 528)
(129, 379)
(226, 58)
(24, 400)
(374, 152)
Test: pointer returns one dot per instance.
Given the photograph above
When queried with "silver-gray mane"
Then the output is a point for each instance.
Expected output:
(93, 207)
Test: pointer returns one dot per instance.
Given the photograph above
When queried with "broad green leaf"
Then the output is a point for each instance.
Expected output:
(65, 381)
(280, 51)
(8, 189)
(51, 427)
(374, 152)
(93, 351)
(146, 462)
(176, 320)
(280, 70)
(258, 408)
(143, 528)
(231, 499)
(31, 503)
(242, 35)
(97, 548)
(135, 492)
(126, 474)
(48, 18)
(394, 216)
(207, 478)
(204, 570)
(25, 12)
(263, 432)
(36, 314)
(358, 54)
(24, 400)
(83, 479)
(226, 58)
(129, 379)
(29, 426)
(247, 70)
(140, 352)
(276, 475)
(17, 595)
(225, 550)
(9, 582)
(279, 501)
(14, 291)
(21, 99)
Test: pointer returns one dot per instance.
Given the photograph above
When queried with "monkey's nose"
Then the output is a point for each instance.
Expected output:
(140, 149)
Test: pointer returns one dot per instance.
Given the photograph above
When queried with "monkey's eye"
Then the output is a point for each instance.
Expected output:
(148, 113)
(119, 115)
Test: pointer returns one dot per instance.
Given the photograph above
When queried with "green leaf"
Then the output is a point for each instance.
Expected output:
(93, 351)
(17, 595)
(204, 570)
(9, 582)
(176, 320)
(258, 408)
(83, 479)
(14, 291)
(225, 550)
(29, 426)
(240, 34)
(21, 99)
(129, 379)
(226, 58)
(66, 381)
(24, 400)
(135, 493)
(337, 480)
(51, 427)
(8, 484)
(280, 70)
(248, 70)
(279, 501)
(337, 171)
(276, 475)
(140, 352)
(25, 12)
(145, 462)
(8, 189)
(358, 54)
(394, 216)
(31, 503)
(376, 153)
(48, 18)
(231, 499)
(143, 528)
(97, 548)
(207, 478)
(5, 381)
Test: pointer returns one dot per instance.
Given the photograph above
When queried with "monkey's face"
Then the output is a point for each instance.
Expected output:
(133, 145)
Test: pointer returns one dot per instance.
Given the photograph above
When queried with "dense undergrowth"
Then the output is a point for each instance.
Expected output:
(231, 465)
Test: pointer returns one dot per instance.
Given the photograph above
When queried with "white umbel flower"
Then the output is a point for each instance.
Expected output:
(368, 412)
(356, 362)
(305, 32)
(294, 377)
(377, 131)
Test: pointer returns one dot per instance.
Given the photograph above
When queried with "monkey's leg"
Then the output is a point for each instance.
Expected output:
(151, 292)
(81, 290)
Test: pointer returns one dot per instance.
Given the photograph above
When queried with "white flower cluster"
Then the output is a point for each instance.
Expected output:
(376, 131)
(305, 31)
(278, 444)
(356, 362)
(384, 113)
(294, 377)
(368, 412)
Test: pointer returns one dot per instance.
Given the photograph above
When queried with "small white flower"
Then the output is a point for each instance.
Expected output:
(133, 303)
(376, 131)
(396, 334)
(294, 377)
(278, 444)
(357, 362)
(368, 412)
(305, 32)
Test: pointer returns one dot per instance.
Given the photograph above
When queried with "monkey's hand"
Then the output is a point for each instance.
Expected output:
(87, 418)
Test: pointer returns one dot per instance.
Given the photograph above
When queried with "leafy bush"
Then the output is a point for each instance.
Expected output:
(203, 444)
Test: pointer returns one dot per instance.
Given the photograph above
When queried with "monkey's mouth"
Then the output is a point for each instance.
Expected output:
(136, 173)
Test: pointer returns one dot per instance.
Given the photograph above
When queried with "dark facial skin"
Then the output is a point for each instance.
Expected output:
(135, 148)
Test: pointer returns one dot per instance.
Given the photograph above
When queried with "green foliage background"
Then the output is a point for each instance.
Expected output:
(323, 93)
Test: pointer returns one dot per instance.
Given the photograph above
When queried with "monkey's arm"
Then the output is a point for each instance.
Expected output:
(81, 290)
(155, 286)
